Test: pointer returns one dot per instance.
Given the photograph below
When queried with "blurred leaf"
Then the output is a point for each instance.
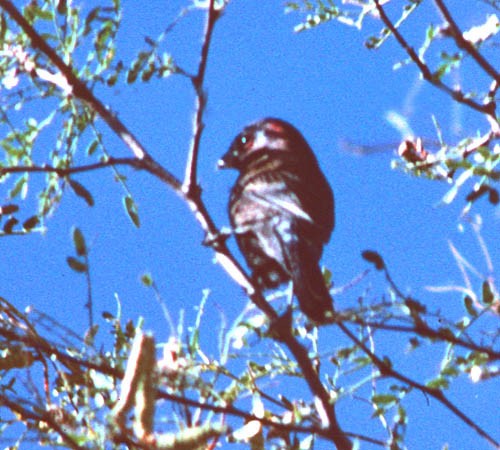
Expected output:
(131, 209)
(20, 187)
(31, 223)
(79, 242)
(10, 224)
(438, 383)
(147, 279)
(81, 191)
(493, 196)
(9, 209)
(92, 147)
(384, 399)
(488, 295)
(469, 306)
(76, 265)
(374, 258)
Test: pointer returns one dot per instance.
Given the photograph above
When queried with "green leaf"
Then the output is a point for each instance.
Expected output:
(131, 209)
(384, 399)
(147, 279)
(76, 265)
(92, 147)
(81, 191)
(79, 242)
(20, 187)
(488, 295)
(439, 383)
(450, 371)
(374, 258)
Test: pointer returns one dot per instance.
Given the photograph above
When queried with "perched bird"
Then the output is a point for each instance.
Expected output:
(282, 211)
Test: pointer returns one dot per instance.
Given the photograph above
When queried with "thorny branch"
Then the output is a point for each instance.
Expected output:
(193, 199)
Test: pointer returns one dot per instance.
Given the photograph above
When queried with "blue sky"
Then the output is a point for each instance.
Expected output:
(334, 90)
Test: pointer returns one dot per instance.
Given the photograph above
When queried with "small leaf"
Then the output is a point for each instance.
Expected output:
(79, 242)
(476, 193)
(374, 258)
(469, 306)
(488, 295)
(20, 187)
(81, 191)
(131, 209)
(147, 279)
(493, 196)
(10, 224)
(384, 399)
(92, 147)
(76, 265)
(439, 383)
(31, 223)
(107, 315)
(9, 209)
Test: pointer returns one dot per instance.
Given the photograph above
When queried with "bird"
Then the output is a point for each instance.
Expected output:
(281, 210)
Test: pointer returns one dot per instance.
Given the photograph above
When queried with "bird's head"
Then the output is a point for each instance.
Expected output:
(266, 138)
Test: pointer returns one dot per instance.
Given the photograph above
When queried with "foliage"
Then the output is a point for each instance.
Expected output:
(474, 158)
(63, 390)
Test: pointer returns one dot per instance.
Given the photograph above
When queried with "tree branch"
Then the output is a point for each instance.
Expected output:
(386, 370)
(465, 44)
(190, 184)
(75, 86)
(193, 199)
(457, 95)
(28, 415)
(66, 171)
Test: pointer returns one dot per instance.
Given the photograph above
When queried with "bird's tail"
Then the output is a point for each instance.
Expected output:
(308, 283)
(312, 294)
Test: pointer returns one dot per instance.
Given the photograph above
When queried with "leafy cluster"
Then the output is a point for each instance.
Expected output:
(445, 50)
(62, 390)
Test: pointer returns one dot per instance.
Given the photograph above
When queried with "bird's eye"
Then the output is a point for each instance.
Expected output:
(246, 141)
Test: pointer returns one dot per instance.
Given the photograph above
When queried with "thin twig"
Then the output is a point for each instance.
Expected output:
(66, 171)
(426, 73)
(425, 332)
(190, 185)
(386, 370)
(75, 86)
(465, 44)
(28, 415)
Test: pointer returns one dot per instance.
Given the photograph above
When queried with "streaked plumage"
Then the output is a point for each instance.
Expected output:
(282, 211)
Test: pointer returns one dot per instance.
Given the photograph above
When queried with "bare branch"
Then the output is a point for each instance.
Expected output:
(190, 184)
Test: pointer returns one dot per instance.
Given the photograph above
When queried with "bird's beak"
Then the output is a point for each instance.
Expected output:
(221, 164)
